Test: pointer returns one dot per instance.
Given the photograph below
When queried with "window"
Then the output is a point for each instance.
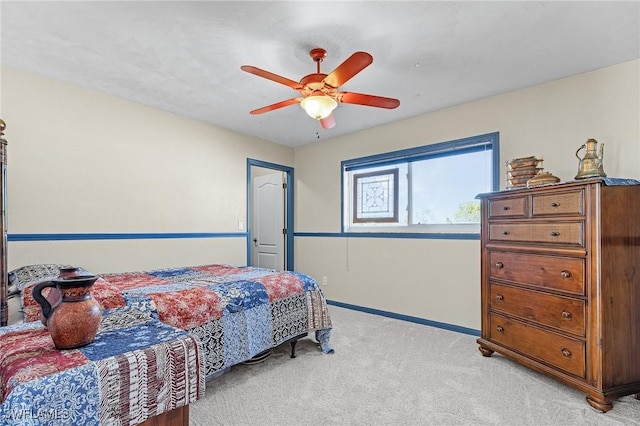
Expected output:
(429, 189)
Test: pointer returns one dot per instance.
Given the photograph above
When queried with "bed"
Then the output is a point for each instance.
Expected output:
(136, 370)
(237, 314)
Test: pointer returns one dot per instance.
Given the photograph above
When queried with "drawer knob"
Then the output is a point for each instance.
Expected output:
(566, 315)
(555, 204)
(499, 265)
(500, 297)
(506, 208)
(566, 353)
(500, 329)
(565, 274)
(505, 232)
(554, 233)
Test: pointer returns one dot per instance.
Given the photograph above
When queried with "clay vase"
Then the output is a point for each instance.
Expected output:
(74, 320)
(53, 297)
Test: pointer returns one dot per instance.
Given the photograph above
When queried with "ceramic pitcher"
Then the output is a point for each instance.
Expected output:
(54, 297)
(74, 320)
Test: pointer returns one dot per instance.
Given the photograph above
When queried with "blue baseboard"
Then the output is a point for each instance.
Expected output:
(409, 318)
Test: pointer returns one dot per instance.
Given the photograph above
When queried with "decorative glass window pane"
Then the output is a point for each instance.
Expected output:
(376, 196)
(427, 189)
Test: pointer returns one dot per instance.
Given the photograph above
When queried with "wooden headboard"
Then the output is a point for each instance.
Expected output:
(4, 273)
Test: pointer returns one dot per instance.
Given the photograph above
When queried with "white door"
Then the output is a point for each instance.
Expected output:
(267, 236)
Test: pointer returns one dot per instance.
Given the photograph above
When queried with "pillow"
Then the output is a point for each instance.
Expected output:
(25, 275)
(16, 315)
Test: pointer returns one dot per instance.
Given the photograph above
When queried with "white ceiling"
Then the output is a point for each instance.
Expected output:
(185, 57)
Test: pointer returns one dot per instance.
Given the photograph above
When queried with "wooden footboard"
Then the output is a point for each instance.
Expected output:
(176, 417)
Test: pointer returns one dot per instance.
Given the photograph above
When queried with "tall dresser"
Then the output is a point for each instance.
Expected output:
(561, 283)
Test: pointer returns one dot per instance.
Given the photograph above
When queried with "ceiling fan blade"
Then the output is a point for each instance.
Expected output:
(271, 76)
(350, 67)
(277, 105)
(328, 122)
(367, 100)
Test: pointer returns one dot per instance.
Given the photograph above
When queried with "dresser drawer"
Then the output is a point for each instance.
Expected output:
(508, 207)
(561, 203)
(568, 233)
(548, 272)
(564, 313)
(561, 352)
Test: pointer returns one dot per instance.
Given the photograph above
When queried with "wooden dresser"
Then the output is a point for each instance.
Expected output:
(561, 283)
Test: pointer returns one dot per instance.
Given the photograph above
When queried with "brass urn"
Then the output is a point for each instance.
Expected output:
(590, 165)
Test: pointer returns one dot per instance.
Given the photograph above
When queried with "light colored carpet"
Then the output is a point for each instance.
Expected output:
(390, 372)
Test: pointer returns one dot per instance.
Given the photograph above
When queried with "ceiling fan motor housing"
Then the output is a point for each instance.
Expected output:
(313, 85)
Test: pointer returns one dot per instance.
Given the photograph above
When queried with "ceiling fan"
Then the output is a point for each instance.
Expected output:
(320, 95)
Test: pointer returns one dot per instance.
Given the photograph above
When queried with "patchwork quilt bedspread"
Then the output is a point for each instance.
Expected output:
(236, 312)
(136, 368)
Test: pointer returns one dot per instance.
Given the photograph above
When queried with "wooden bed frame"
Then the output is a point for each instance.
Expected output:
(4, 273)
(176, 417)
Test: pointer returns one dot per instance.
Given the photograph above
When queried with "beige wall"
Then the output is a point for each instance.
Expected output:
(440, 279)
(84, 162)
(81, 161)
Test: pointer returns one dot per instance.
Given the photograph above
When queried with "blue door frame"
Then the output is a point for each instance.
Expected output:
(288, 213)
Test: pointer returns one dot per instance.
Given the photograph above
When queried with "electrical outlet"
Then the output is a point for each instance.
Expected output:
(240, 225)
(324, 280)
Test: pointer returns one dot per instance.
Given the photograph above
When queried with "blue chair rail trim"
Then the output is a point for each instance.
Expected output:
(122, 236)
(417, 320)
(413, 235)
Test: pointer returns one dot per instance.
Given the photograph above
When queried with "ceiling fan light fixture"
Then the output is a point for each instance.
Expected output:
(318, 107)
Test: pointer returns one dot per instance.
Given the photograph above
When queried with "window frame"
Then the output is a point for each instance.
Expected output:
(434, 150)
